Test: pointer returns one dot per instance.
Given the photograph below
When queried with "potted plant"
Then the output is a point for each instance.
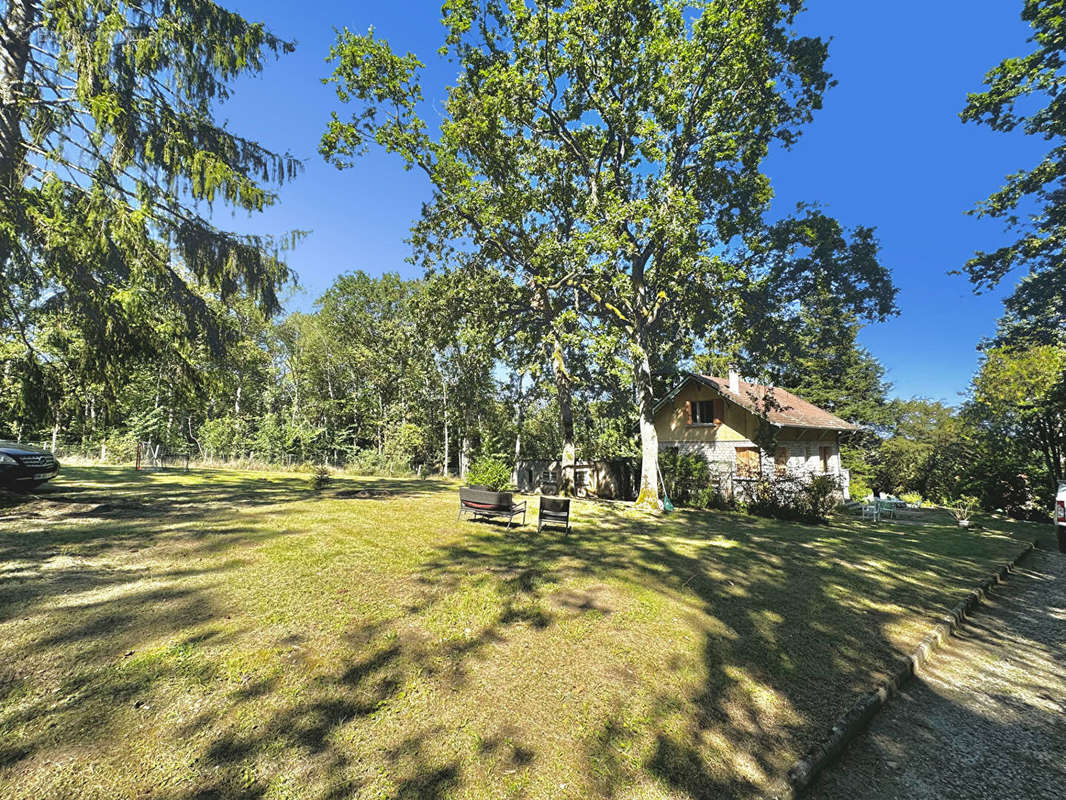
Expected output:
(491, 475)
(962, 510)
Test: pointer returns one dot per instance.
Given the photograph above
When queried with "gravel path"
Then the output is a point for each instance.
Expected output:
(987, 717)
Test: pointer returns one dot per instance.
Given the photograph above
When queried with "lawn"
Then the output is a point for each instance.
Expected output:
(227, 634)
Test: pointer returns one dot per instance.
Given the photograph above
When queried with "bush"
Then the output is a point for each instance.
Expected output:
(686, 476)
(820, 496)
(119, 448)
(371, 462)
(490, 472)
(859, 488)
(911, 498)
(712, 497)
(321, 477)
(794, 498)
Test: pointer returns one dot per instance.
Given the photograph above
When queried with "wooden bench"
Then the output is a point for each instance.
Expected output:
(483, 503)
(554, 511)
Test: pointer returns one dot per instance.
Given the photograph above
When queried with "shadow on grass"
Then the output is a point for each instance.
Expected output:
(792, 623)
(988, 717)
(802, 610)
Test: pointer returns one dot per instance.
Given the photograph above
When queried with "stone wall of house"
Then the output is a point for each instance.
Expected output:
(803, 459)
(612, 479)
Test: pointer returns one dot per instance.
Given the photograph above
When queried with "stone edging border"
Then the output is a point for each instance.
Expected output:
(855, 719)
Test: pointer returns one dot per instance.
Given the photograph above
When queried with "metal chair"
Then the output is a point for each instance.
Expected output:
(554, 511)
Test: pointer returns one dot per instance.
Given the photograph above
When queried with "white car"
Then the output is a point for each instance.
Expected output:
(1060, 516)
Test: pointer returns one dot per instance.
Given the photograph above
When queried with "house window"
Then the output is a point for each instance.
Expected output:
(581, 480)
(825, 454)
(748, 462)
(706, 412)
(781, 460)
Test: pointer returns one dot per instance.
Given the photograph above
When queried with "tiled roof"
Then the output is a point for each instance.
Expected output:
(794, 411)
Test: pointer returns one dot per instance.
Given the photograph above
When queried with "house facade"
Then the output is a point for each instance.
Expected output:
(719, 419)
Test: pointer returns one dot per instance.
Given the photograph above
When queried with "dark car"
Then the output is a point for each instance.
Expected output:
(23, 466)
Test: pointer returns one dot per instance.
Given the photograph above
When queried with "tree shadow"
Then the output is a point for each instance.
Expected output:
(782, 624)
(988, 715)
(800, 621)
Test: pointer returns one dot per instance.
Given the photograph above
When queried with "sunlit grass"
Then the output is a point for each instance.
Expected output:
(232, 634)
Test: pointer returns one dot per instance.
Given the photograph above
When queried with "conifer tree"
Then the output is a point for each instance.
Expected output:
(110, 154)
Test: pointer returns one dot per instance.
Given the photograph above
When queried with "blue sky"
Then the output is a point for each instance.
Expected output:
(888, 150)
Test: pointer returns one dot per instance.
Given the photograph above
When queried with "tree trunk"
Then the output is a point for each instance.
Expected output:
(564, 396)
(19, 22)
(199, 447)
(648, 498)
(381, 419)
(464, 446)
(236, 423)
(447, 454)
(519, 415)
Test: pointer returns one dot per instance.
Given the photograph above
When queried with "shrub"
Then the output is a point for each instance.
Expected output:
(820, 496)
(371, 462)
(712, 497)
(794, 498)
(493, 473)
(404, 442)
(859, 489)
(686, 476)
(911, 498)
(119, 448)
(320, 478)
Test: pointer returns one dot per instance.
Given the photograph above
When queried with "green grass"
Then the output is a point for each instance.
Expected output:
(233, 635)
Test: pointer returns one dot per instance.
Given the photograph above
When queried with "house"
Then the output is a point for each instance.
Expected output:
(718, 418)
(613, 479)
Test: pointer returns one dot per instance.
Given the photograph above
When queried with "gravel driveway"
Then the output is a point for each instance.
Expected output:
(987, 717)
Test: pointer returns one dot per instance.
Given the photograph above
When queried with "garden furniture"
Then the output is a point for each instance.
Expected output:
(554, 511)
(484, 503)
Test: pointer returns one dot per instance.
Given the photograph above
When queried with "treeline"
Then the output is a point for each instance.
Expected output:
(1003, 446)
(598, 219)
(386, 375)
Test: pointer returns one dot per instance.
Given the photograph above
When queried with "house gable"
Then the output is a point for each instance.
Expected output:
(672, 417)
(793, 413)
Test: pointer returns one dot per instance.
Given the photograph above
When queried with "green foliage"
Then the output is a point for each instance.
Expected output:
(492, 473)
(911, 458)
(859, 488)
(794, 498)
(371, 462)
(911, 498)
(1024, 92)
(321, 477)
(963, 508)
(108, 162)
(598, 155)
(404, 443)
(686, 476)
(713, 498)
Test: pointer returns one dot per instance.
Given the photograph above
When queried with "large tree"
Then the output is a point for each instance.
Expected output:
(1023, 392)
(109, 155)
(1027, 93)
(614, 148)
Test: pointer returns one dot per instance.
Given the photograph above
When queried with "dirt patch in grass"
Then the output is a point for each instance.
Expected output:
(229, 634)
